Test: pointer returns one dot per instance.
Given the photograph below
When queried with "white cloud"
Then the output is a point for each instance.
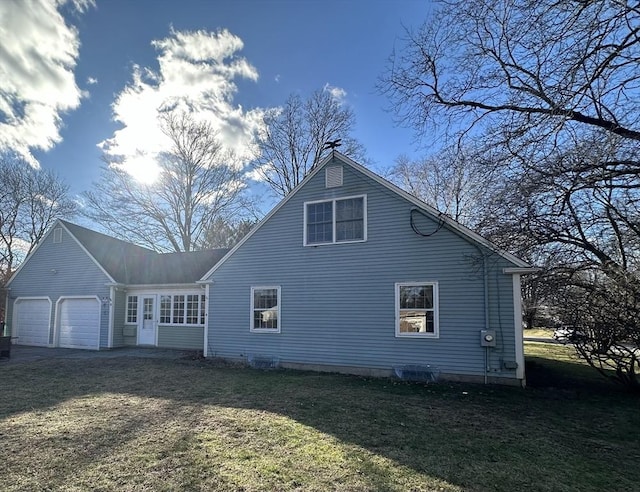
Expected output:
(257, 173)
(338, 93)
(92, 81)
(196, 74)
(38, 55)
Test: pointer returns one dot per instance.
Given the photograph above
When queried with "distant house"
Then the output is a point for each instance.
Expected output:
(83, 289)
(348, 273)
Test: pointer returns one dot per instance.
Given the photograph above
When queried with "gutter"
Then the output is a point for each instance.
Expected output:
(520, 270)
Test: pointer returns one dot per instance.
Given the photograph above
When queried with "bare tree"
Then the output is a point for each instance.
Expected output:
(584, 222)
(226, 234)
(30, 202)
(457, 182)
(198, 183)
(294, 138)
(543, 65)
(553, 89)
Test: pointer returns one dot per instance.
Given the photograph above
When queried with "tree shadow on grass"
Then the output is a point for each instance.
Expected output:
(214, 424)
(543, 374)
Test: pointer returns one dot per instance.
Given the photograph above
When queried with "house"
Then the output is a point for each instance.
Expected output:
(82, 289)
(349, 273)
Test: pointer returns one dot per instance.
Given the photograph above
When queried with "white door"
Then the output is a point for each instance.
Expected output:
(79, 323)
(147, 325)
(32, 320)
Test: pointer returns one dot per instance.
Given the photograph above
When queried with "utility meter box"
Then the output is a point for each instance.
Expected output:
(488, 338)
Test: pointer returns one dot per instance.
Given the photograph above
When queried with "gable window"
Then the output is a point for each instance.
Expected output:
(132, 309)
(417, 309)
(340, 220)
(265, 309)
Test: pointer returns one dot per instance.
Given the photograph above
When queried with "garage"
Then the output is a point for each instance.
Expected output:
(79, 323)
(32, 321)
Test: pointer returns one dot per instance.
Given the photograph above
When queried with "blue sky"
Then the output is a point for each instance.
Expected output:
(81, 77)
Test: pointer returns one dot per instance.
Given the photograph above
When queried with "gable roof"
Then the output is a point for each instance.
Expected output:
(127, 263)
(117, 257)
(456, 227)
(176, 268)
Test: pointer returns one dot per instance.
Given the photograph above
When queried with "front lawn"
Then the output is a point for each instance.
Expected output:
(144, 424)
(538, 332)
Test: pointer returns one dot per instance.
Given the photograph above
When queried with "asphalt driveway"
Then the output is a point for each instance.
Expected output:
(22, 353)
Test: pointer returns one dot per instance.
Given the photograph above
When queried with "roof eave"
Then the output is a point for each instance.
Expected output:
(163, 286)
(521, 271)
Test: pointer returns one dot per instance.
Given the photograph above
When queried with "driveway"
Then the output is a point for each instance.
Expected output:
(22, 353)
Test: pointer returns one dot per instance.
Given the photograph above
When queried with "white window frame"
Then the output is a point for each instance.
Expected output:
(57, 235)
(251, 312)
(202, 301)
(202, 307)
(333, 212)
(436, 323)
(126, 310)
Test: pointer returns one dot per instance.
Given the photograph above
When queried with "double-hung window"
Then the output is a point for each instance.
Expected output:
(417, 309)
(265, 309)
(340, 220)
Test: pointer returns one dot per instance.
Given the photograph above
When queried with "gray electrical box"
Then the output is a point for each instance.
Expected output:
(488, 338)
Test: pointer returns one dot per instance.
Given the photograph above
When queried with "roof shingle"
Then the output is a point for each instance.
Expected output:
(130, 264)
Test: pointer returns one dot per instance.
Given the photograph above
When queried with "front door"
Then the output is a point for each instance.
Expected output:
(147, 327)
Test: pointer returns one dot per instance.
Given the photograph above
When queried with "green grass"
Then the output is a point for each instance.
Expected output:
(538, 332)
(558, 365)
(143, 424)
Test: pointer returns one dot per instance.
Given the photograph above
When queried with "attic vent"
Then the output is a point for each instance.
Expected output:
(57, 235)
(333, 176)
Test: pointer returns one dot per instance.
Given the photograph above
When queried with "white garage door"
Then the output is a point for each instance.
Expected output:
(79, 323)
(32, 321)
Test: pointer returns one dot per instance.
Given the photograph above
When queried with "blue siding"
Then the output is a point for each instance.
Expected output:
(119, 307)
(181, 337)
(338, 301)
(58, 270)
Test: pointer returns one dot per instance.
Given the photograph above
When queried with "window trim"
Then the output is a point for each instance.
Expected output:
(252, 329)
(333, 218)
(135, 312)
(436, 310)
(202, 307)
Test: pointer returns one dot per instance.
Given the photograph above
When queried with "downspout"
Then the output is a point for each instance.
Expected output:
(485, 282)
